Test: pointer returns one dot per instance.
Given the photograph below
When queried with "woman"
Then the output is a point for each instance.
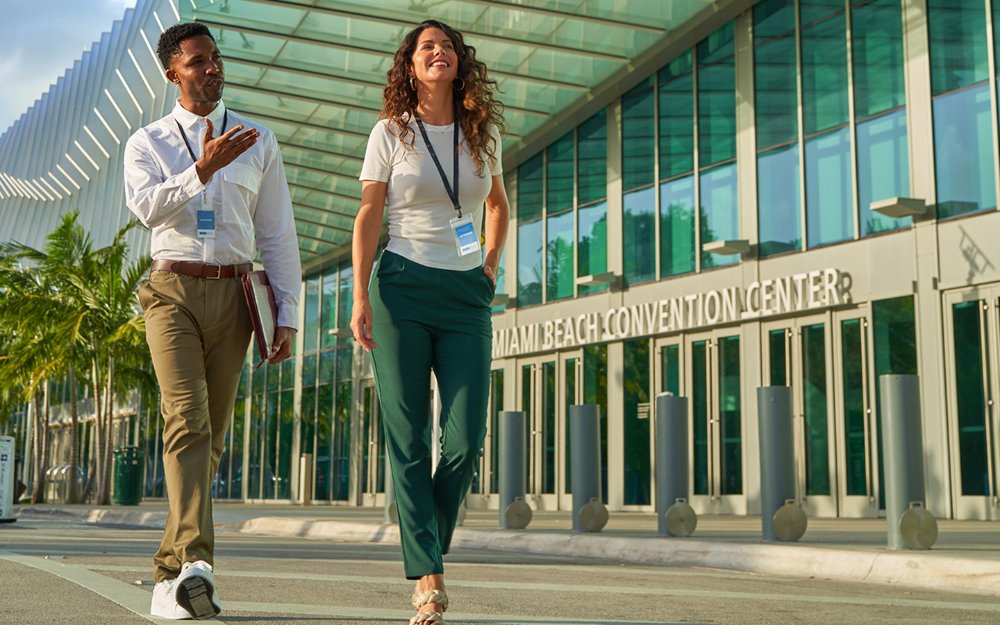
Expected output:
(435, 156)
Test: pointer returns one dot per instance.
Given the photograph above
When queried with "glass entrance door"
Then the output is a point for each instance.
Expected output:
(372, 448)
(858, 445)
(486, 480)
(545, 393)
(714, 389)
(972, 328)
(798, 354)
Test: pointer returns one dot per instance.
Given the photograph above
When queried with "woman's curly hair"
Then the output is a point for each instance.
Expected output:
(475, 107)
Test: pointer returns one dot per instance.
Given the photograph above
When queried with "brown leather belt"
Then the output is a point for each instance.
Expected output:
(202, 270)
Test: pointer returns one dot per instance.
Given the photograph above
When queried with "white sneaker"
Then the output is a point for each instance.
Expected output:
(195, 590)
(165, 602)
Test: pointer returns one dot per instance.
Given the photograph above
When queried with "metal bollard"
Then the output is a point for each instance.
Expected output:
(585, 459)
(777, 462)
(306, 479)
(514, 511)
(909, 524)
(674, 517)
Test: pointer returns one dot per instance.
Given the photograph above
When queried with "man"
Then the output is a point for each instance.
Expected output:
(212, 199)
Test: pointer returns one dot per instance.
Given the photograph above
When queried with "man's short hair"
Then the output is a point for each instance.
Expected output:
(169, 45)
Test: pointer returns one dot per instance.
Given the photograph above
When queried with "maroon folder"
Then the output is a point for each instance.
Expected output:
(263, 311)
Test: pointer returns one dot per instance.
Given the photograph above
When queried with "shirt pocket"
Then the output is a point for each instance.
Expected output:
(242, 183)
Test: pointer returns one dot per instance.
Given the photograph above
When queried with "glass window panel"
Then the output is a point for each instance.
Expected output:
(592, 242)
(328, 310)
(496, 404)
(549, 373)
(324, 425)
(676, 93)
(309, 370)
(636, 450)
(345, 300)
(779, 216)
(639, 233)
(341, 445)
(345, 362)
(559, 257)
(957, 33)
(501, 281)
(719, 216)
(730, 414)
(778, 357)
(963, 152)
(559, 174)
(327, 363)
(971, 356)
(877, 56)
(569, 399)
(530, 188)
(637, 136)
(529, 263)
(883, 168)
(284, 473)
(775, 90)
(853, 374)
(592, 159)
(310, 331)
(824, 67)
(829, 201)
(716, 97)
(595, 391)
(268, 476)
(814, 401)
(671, 364)
(699, 408)
(677, 220)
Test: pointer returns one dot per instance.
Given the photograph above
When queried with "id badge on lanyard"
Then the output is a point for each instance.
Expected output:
(465, 235)
(462, 228)
(206, 214)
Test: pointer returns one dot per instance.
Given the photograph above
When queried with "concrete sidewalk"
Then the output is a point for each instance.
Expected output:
(965, 559)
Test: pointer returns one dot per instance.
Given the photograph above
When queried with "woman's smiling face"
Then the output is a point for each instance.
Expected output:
(434, 58)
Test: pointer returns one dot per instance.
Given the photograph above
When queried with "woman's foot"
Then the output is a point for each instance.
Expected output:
(430, 599)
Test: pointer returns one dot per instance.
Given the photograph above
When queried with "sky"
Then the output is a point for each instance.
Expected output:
(42, 39)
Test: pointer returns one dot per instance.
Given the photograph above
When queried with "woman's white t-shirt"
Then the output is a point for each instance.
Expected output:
(419, 209)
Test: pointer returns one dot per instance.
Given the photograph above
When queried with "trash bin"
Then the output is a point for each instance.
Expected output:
(127, 487)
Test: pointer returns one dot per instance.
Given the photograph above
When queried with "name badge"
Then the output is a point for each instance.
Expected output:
(465, 235)
(206, 224)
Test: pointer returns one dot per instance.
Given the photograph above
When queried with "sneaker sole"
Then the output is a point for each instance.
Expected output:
(194, 594)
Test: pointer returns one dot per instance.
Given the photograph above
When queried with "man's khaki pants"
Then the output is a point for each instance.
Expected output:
(198, 331)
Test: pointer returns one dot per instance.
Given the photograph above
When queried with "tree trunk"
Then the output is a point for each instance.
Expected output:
(104, 491)
(39, 433)
(73, 494)
(97, 466)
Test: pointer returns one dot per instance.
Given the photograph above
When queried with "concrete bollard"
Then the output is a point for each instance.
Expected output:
(672, 467)
(306, 479)
(777, 459)
(585, 459)
(514, 511)
(909, 524)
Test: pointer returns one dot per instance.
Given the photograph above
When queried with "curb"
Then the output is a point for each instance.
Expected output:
(896, 568)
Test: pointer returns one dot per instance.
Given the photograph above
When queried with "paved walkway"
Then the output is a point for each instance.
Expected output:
(966, 557)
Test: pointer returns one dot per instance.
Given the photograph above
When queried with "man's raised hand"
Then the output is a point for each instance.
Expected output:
(217, 152)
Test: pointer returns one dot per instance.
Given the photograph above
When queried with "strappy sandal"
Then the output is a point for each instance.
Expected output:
(420, 599)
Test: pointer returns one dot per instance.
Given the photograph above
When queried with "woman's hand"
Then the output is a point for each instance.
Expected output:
(490, 272)
(361, 324)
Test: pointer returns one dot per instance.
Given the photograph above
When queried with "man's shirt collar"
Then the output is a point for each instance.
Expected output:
(190, 121)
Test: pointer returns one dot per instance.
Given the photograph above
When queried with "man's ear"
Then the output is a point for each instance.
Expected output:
(172, 76)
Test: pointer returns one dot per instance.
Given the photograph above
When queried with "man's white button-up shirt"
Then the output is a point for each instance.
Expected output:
(249, 197)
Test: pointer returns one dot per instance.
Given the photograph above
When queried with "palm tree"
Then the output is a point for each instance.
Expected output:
(71, 312)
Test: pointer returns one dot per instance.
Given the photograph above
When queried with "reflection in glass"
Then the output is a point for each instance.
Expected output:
(957, 33)
(529, 263)
(592, 243)
(963, 152)
(496, 406)
(559, 256)
(883, 169)
(310, 329)
(592, 159)
(877, 56)
(637, 410)
(855, 432)
(971, 395)
(548, 427)
(670, 357)
(779, 214)
(569, 399)
(829, 196)
(730, 411)
(778, 357)
(595, 391)
(775, 90)
(716, 97)
(699, 411)
(639, 233)
(824, 65)
(677, 226)
(719, 216)
(814, 404)
(637, 136)
(676, 93)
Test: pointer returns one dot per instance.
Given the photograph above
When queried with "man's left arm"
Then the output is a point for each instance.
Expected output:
(274, 225)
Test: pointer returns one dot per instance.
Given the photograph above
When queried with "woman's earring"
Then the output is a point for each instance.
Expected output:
(456, 87)
(413, 85)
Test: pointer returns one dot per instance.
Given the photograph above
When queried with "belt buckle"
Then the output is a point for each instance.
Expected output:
(218, 272)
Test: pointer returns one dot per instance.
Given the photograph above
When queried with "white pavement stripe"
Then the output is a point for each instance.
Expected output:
(381, 613)
(613, 590)
(132, 598)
